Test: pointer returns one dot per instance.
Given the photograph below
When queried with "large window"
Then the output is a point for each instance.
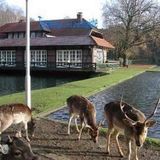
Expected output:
(39, 58)
(69, 57)
(7, 58)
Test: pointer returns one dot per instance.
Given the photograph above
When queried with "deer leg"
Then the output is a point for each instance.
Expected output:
(136, 157)
(69, 123)
(118, 146)
(80, 132)
(0, 132)
(0, 139)
(109, 132)
(76, 125)
(129, 148)
(82, 126)
(26, 130)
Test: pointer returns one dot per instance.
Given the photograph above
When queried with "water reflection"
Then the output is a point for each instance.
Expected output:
(12, 84)
(141, 91)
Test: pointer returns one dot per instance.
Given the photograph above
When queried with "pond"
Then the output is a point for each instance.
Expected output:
(15, 83)
(141, 91)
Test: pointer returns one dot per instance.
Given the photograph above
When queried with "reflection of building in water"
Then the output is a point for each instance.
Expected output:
(12, 84)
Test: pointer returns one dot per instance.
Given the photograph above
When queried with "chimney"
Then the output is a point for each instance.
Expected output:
(79, 16)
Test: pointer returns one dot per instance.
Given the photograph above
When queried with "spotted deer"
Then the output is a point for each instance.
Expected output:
(80, 107)
(18, 148)
(15, 114)
(125, 119)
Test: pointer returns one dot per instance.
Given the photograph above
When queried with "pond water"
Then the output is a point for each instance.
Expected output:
(15, 83)
(141, 91)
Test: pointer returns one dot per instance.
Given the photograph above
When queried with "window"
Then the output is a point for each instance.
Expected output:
(69, 57)
(38, 34)
(8, 58)
(15, 35)
(39, 58)
(21, 35)
(10, 35)
(33, 34)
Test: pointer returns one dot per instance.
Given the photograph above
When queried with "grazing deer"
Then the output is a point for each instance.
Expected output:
(18, 149)
(125, 119)
(15, 114)
(80, 107)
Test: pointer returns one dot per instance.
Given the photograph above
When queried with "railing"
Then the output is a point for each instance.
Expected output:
(86, 66)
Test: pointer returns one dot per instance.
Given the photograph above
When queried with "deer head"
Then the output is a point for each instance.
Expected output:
(94, 133)
(139, 129)
(19, 149)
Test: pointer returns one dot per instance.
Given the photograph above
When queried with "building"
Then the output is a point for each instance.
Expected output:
(56, 45)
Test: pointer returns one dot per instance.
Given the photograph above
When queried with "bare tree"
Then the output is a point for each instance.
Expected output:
(132, 20)
(9, 13)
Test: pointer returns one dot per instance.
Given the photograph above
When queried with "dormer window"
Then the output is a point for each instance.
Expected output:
(33, 34)
(21, 35)
(15, 35)
(39, 34)
(10, 35)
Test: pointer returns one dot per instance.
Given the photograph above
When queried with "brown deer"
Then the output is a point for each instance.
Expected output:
(125, 119)
(15, 114)
(81, 107)
(18, 149)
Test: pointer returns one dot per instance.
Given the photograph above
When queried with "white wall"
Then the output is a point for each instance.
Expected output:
(99, 55)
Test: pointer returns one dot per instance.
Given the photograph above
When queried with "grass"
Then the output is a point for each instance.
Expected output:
(153, 142)
(45, 100)
(155, 69)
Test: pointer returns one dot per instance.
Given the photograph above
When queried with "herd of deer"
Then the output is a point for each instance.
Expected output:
(121, 118)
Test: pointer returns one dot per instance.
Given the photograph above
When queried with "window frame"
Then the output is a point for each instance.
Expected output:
(8, 58)
(39, 58)
(66, 58)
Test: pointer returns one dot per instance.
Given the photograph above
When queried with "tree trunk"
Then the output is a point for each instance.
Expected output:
(124, 60)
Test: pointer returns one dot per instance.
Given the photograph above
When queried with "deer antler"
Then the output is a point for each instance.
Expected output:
(154, 111)
(121, 102)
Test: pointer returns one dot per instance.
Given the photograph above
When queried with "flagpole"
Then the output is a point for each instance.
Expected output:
(28, 77)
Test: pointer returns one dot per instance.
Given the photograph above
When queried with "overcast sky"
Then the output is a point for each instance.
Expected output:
(58, 9)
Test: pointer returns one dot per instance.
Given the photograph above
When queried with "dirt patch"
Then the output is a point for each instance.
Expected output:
(51, 142)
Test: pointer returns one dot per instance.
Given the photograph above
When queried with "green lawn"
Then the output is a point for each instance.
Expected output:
(155, 69)
(48, 99)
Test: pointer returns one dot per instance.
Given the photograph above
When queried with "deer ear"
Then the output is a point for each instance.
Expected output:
(150, 123)
(10, 140)
(4, 149)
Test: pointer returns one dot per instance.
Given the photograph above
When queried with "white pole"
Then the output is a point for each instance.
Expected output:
(28, 77)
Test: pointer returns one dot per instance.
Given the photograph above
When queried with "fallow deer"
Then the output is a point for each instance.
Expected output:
(125, 119)
(15, 114)
(18, 149)
(80, 107)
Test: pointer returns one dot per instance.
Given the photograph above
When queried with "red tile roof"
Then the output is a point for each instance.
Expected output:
(102, 42)
(20, 27)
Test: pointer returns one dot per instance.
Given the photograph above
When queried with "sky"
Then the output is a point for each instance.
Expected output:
(58, 9)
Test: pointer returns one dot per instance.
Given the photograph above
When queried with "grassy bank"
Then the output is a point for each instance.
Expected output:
(155, 69)
(44, 100)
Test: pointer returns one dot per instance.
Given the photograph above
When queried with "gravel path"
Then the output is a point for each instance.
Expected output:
(52, 143)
